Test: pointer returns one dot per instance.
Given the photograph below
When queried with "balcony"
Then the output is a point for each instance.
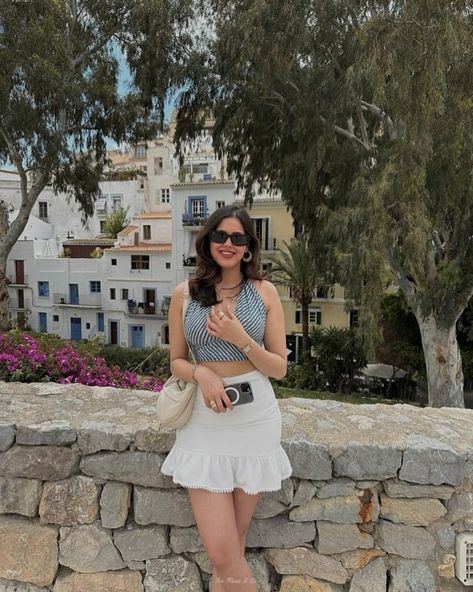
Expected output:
(14, 280)
(154, 310)
(16, 304)
(193, 221)
(190, 261)
(81, 300)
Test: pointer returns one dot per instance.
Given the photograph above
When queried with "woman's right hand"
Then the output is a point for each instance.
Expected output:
(212, 387)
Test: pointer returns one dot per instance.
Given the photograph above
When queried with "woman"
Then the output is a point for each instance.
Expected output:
(227, 454)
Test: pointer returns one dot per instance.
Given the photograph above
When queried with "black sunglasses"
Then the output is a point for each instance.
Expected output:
(238, 239)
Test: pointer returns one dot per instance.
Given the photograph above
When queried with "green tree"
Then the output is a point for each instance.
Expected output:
(115, 222)
(59, 99)
(296, 268)
(360, 113)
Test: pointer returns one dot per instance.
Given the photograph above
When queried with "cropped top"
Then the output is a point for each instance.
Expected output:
(249, 310)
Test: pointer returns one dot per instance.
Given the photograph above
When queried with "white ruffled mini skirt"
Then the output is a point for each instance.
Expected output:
(239, 448)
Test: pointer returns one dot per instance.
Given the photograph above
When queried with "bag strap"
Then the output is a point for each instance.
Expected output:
(184, 308)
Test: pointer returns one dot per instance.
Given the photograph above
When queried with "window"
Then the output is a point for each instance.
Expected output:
(114, 261)
(140, 261)
(147, 232)
(165, 195)
(158, 165)
(125, 294)
(197, 207)
(201, 167)
(322, 291)
(168, 265)
(43, 289)
(354, 318)
(219, 204)
(117, 201)
(95, 287)
(43, 210)
(140, 151)
(261, 226)
(113, 294)
(56, 318)
(315, 316)
(87, 325)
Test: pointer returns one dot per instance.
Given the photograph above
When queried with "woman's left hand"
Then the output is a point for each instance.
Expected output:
(226, 326)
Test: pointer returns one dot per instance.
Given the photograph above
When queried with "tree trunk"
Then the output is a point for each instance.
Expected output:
(4, 298)
(443, 363)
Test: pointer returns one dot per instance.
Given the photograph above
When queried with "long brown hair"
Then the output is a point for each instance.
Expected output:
(208, 273)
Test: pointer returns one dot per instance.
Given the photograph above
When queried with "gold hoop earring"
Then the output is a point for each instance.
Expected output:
(247, 257)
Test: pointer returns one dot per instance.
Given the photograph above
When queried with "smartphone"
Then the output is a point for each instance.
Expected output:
(240, 393)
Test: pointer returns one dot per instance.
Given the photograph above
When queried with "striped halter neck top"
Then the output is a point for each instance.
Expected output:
(249, 310)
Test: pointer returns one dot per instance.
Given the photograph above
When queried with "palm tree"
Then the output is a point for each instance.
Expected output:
(296, 269)
(115, 222)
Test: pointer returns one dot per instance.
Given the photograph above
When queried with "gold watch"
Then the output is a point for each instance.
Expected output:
(247, 348)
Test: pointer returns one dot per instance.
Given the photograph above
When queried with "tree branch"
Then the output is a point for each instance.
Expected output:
(16, 158)
(347, 134)
(383, 116)
(362, 123)
(407, 286)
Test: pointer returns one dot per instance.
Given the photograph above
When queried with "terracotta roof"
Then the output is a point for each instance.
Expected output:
(144, 247)
(127, 230)
(89, 241)
(152, 215)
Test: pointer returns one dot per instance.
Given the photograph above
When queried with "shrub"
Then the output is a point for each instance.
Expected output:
(25, 358)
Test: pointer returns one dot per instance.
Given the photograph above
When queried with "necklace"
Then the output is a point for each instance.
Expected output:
(230, 297)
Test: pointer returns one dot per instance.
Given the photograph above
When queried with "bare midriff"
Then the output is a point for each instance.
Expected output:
(224, 369)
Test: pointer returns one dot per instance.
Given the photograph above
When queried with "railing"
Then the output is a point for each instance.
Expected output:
(190, 220)
(152, 309)
(79, 300)
(13, 279)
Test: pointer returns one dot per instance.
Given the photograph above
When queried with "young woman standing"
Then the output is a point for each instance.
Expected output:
(226, 455)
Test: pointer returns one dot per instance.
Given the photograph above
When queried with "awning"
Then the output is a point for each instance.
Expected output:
(384, 371)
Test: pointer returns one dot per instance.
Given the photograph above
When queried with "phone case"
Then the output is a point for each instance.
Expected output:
(240, 393)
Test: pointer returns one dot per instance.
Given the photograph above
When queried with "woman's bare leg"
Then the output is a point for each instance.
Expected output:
(216, 522)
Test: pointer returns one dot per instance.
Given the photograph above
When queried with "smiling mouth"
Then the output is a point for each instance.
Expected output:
(226, 253)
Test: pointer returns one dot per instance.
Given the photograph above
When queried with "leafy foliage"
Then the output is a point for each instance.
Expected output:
(115, 222)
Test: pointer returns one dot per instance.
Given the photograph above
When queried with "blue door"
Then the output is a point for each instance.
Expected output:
(43, 322)
(100, 322)
(76, 328)
(73, 293)
(137, 336)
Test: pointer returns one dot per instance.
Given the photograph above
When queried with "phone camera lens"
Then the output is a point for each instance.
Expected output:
(245, 387)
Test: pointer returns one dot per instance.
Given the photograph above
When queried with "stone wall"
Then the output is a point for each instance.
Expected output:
(377, 496)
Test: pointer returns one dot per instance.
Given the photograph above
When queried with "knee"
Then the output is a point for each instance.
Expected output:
(223, 553)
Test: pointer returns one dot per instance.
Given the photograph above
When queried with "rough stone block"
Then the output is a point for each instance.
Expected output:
(172, 573)
(307, 584)
(260, 570)
(412, 575)
(305, 492)
(285, 494)
(446, 568)
(355, 560)
(7, 436)
(184, 540)
(460, 507)
(360, 461)
(397, 488)
(28, 551)
(337, 538)
(416, 512)
(337, 487)
(47, 433)
(110, 581)
(267, 507)
(308, 562)
(19, 496)
(12, 586)
(410, 542)
(88, 548)
(162, 507)
(343, 510)
(142, 543)
(139, 468)
(47, 463)
(93, 436)
(308, 460)
(279, 532)
(70, 502)
(114, 504)
(429, 461)
(152, 440)
(371, 578)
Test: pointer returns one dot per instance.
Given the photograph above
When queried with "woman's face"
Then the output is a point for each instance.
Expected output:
(228, 255)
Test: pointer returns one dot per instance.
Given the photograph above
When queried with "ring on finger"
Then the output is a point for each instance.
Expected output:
(221, 314)
(213, 404)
